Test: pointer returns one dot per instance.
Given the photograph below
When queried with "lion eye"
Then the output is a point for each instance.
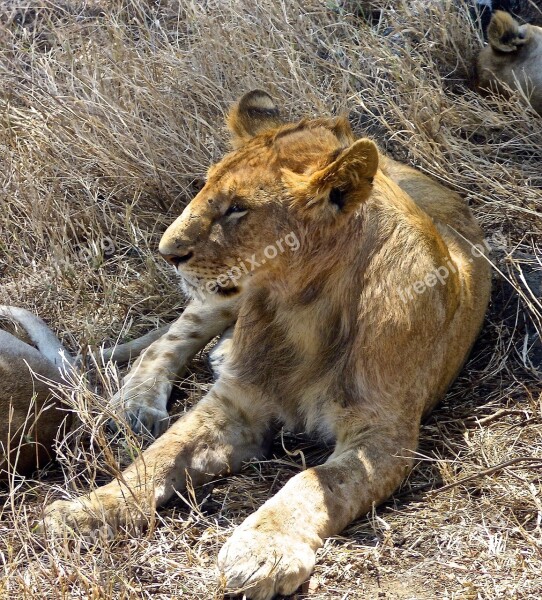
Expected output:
(236, 211)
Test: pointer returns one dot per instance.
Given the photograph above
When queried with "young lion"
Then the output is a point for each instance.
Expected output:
(513, 58)
(355, 293)
(30, 356)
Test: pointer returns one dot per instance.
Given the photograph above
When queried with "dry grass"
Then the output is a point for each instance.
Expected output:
(110, 112)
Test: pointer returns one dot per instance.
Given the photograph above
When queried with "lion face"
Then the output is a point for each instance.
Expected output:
(228, 232)
(280, 182)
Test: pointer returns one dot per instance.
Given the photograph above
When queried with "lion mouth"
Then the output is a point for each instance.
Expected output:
(229, 290)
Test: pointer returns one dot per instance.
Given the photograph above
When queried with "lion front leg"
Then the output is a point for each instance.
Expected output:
(226, 428)
(143, 397)
(273, 550)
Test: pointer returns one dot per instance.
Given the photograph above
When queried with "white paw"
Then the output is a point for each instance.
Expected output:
(262, 564)
(221, 352)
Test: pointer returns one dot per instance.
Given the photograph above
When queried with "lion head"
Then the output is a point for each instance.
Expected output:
(512, 60)
(280, 182)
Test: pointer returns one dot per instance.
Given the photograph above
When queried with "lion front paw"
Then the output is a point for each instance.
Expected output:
(142, 412)
(74, 519)
(146, 420)
(262, 564)
(98, 515)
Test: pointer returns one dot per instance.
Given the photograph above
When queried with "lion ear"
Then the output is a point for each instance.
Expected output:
(341, 186)
(254, 113)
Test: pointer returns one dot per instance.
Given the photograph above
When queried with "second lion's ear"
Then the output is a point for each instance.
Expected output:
(254, 113)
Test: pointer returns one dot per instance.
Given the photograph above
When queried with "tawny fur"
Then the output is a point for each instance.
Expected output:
(30, 357)
(513, 58)
(334, 335)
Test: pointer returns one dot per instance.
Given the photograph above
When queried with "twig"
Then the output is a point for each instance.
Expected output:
(491, 470)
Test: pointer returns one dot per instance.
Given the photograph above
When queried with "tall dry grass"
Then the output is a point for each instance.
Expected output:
(110, 113)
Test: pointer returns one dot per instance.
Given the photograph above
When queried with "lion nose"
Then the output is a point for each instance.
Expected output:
(178, 259)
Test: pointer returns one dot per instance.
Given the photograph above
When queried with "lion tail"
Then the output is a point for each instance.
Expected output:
(40, 334)
(505, 34)
(122, 353)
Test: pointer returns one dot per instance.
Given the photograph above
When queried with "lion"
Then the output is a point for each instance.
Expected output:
(31, 362)
(351, 288)
(513, 58)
